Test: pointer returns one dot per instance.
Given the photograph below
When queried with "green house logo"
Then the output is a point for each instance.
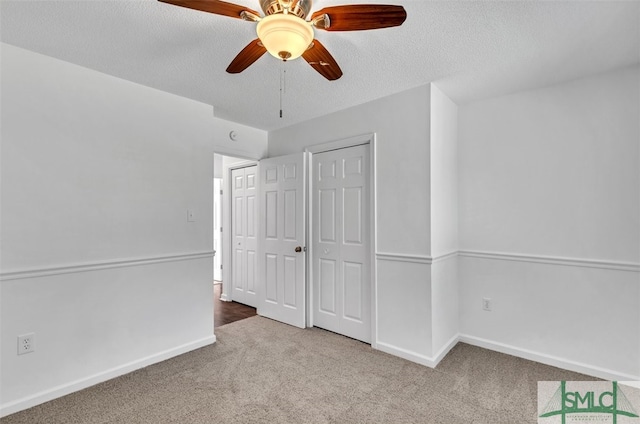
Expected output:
(610, 403)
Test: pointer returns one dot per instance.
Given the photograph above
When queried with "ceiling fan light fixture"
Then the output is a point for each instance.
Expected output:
(284, 35)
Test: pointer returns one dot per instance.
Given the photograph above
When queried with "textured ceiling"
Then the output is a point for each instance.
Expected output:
(472, 49)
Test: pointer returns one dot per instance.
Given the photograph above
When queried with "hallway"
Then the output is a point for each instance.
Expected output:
(228, 312)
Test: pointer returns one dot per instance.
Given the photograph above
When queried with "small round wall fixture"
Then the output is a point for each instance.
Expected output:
(233, 136)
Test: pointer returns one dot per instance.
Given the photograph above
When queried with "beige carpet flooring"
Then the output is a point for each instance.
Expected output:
(261, 371)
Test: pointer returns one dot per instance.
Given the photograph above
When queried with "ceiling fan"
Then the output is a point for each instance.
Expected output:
(286, 34)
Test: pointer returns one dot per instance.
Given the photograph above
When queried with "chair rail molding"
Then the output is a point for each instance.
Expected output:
(553, 260)
(403, 257)
(519, 257)
(420, 259)
(100, 265)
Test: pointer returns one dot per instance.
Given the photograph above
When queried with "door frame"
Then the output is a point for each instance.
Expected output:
(227, 266)
(369, 139)
(217, 223)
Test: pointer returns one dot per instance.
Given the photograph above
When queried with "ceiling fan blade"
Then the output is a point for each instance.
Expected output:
(357, 17)
(213, 6)
(246, 57)
(321, 60)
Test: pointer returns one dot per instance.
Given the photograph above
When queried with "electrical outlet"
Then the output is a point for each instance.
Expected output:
(486, 304)
(26, 343)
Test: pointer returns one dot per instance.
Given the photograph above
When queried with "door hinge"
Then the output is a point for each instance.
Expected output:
(220, 192)
(220, 229)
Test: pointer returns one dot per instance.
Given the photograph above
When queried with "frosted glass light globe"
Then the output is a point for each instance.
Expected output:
(285, 36)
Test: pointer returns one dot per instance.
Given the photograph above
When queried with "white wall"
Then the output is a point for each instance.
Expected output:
(248, 142)
(404, 309)
(549, 204)
(445, 308)
(444, 174)
(107, 161)
(401, 125)
(217, 165)
(98, 258)
(554, 171)
(444, 221)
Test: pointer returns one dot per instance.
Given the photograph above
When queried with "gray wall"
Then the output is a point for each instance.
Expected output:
(98, 259)
(549, 220)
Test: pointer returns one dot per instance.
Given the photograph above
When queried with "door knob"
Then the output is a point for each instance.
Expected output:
(298, 249)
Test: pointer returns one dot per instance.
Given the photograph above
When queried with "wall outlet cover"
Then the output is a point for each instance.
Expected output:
(26, 343)
(486, 304)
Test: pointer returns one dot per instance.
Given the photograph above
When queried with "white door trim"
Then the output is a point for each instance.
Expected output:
(226, 294)
(369, 139)
(341, 144)
(217, 224)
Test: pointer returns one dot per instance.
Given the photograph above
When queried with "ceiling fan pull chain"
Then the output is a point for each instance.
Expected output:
(283, 74)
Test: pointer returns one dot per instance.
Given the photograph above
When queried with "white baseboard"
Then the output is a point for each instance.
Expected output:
(74, 386)
(446, 348)
(418, 358)
(405, 354)
(543, 358)
(635, 384)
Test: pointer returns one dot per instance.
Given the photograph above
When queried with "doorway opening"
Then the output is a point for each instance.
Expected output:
(325, 197)
(230, 219)
(228, 312)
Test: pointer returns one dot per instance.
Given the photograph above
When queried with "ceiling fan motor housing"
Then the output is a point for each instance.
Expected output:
(299, 8)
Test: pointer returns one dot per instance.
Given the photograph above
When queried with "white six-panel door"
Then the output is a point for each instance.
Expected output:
(281, 294)
(341, 242)
(244, 262)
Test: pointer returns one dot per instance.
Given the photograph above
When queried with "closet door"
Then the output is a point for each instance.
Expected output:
(244, 235)
(341, 242)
